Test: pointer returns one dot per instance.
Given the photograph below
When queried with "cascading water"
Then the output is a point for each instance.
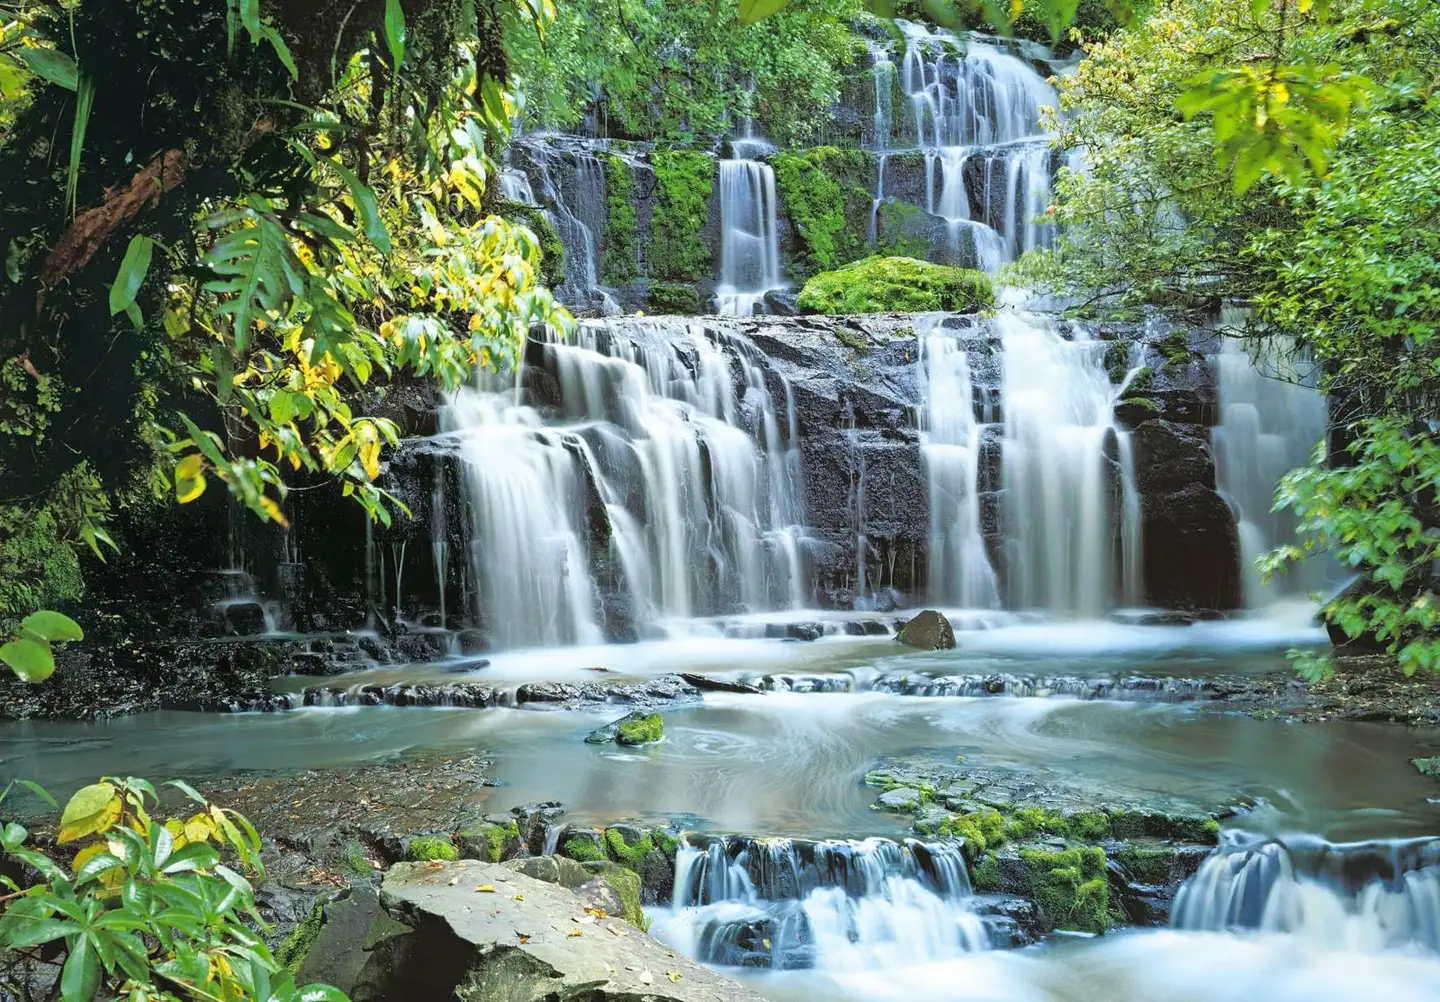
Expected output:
(831, 905)
(665, 478)
(1359, 896)
(1271, 418)
(975, 112)
(960, 571)
(572, 188)
(749, 233)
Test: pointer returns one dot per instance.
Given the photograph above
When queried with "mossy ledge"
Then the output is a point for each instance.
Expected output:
(826, 193)
(897, 285)
(424, 848)
(684, 180)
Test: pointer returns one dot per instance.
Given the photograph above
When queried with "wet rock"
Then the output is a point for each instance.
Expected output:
(633, 729)
(660, 691)
(900, 801)
(1154, 617)
(332, 956)
(1190, 550)
(707, 684)
(929, 631)
(516, 944)
(794, 631)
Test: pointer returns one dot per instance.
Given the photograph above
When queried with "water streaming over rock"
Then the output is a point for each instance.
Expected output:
(833, 905)
(660, 482)
(749, 233)
(1271, 418)
(1363, 896)
(974, 111)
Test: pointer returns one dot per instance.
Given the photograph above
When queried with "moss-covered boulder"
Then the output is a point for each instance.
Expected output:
(424, 848)
(490, 841)
(674, 299)
(633, 730)
(1070, 887)
(897, 285)
(929, 631)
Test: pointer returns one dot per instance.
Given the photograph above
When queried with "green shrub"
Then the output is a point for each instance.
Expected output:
(897, 285)
(674, 298)
(552, 248)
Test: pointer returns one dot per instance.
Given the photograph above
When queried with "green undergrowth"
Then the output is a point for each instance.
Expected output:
(897, 285)
(674, 299)
(684, 180)
(583, 849)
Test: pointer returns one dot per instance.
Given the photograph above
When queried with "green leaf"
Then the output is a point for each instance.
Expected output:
(250, 18)
(369, 208)
(80, 979)
(133, 268)
(52, 66)
(322, 993)
(757, 10)
(282, 51)
(395, 32)
(186, 789)
(42, 931)
(84, 100)
(32, 660)
(52, 626)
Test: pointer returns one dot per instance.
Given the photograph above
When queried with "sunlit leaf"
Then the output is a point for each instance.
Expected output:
(52, 626)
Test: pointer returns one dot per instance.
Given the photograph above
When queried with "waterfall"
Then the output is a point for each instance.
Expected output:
(663, 483)
(832, 905)
(960, 571)
(1271, 418)
(1059, 467)
(1358, 896)
(975, 112)
(572, 187)
(749, 233)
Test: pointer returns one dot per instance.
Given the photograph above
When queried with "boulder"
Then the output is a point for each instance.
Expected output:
(637, 728)
(929, 631)
(1170, 457)
(1190, 549)
(440, 937)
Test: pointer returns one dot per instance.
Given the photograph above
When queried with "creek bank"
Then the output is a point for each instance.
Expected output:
(481, 931)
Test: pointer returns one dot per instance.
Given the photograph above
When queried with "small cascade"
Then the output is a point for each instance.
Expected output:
(663, 484)
(571, 187)
(831, 905)
(975, 112)
(1063, 481)
(749, 232)
(1364, 896)
(960, 570)
(1271, 418)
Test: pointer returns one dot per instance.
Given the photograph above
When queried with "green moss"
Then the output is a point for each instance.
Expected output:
(684, 180)
(1141, 384)
(583, 850)
(1203, 830)
(293, 950)
(1089, 826)
(354, 860)
(981, 830)
(897, 285)
(1143, 403)
(1176, 349)
(627, 855)
(645, 731)
(667, 843)
(853, 340)
(826, 194)
(899, 230)
(1070, 887)
(985, 877)
(1427, 766)
(1148, 866)
(1117, 361)
(674, 298)
(487, 842)
(552, 249)
(621, 258)
(429, 847)
(626, 884)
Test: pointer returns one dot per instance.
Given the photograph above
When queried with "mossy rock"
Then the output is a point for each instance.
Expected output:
(1070, 887)
(1427, 766)
(293, 950)
(628, 846)
(985, 875)
(1146, 865)
(897, 285)
(684, 180)
(354, 861)
(424, 848)
(674, 299)
(621, 259)
(489, 841)
(825, 192)
(645, 731)
(585, 845)
(625, 882)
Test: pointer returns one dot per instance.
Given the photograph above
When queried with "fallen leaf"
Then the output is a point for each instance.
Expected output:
(598, 913)
(519, 897)
(523, 938)
(674, 977)
(486, 889)
(573, 933)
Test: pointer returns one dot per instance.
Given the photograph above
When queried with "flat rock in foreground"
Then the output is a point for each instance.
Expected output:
(441, 938)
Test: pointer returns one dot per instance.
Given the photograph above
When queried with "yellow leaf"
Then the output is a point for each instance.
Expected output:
(93, 809)
(573, 933)
(199, 829)
(86, 854)
(1016, 7)
(190, 478)
(486, 888)
(674, 977)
